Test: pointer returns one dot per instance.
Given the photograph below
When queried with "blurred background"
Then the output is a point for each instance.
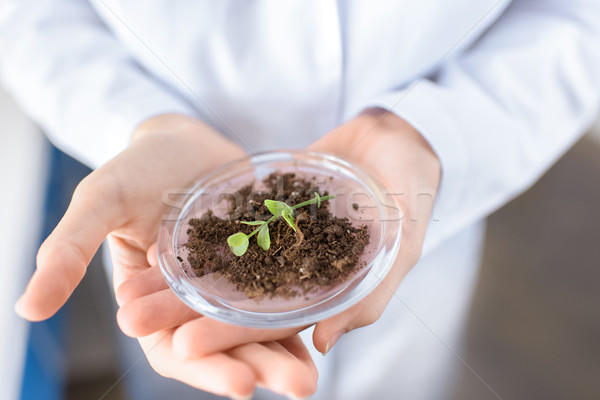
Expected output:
(533, 332)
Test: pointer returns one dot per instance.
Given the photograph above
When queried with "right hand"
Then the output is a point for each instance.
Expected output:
(123, 200)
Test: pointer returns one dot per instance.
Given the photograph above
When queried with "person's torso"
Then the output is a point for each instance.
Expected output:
(281, 73)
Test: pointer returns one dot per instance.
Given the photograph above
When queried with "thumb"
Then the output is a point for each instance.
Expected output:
(63, 257)
(368, 310)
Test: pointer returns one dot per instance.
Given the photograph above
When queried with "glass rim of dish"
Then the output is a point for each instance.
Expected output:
(201, 299)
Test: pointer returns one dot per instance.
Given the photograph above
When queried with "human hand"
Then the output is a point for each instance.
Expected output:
(123, 200)
(279, 358)
(386, 146)
(393, 151)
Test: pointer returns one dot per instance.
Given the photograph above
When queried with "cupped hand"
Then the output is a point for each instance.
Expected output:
(123, 200)
(391, 149)
(276, 359)
(382, 144)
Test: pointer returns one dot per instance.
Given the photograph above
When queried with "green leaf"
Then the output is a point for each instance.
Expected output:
(263, 238)
(276, 207)
(238, 243)
(253, 222)
(288, 215)
(318, 199)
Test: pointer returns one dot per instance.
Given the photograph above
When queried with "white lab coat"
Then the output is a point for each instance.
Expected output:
(499, 89)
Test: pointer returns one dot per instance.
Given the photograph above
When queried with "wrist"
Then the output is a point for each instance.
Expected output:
(378, 121)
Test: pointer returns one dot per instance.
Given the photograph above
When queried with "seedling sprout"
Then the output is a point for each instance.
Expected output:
(238, 242)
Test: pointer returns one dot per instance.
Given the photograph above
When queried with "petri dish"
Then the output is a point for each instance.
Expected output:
(358, 196)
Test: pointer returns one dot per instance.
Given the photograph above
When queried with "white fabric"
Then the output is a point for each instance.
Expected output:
(500, 89)
(500, 94)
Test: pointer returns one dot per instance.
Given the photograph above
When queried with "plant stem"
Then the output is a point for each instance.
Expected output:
(311, 201)
(304, 203)
(266, 222)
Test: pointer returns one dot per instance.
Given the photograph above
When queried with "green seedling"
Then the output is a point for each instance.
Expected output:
(238, 242)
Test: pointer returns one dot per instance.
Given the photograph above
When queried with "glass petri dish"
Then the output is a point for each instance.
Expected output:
(358, 196)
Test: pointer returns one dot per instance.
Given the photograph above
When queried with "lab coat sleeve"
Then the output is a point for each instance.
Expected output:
(69, 73)
(500, 113)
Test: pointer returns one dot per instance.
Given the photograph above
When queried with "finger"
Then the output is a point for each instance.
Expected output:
(152, 256)
(277, 369)
(204, 336)
(148, 282)
(296, 346)
(128, 258)
(219, 373)
(65, 254)
(149, 314)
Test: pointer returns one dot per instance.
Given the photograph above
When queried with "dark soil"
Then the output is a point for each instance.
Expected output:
(323, 251)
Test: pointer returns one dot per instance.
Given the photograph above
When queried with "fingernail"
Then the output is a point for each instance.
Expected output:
(332, 340)
(19, 306)
(294, 397)
(235, 397)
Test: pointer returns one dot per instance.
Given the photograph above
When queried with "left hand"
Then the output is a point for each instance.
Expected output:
(389, 148)
(380, 143)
